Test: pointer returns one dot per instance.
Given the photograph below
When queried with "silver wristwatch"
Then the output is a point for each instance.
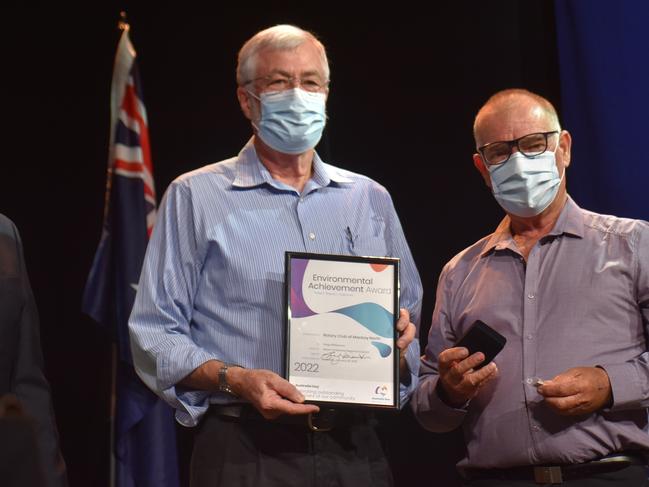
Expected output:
(223, 385)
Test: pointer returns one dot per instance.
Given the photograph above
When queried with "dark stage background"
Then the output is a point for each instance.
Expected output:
(405, 87)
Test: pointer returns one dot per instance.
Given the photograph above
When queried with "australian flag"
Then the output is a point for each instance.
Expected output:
(144, 435)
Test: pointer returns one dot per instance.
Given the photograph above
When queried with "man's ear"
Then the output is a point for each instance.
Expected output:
(480, 165)
(565, 145)
(245, 102)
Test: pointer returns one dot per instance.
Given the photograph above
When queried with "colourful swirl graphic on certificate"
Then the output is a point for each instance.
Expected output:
(342, 330)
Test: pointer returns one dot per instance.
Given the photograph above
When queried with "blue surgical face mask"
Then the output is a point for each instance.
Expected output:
(291, 121)
(525, 186)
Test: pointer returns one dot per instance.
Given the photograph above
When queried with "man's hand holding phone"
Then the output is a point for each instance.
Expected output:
(468, 366)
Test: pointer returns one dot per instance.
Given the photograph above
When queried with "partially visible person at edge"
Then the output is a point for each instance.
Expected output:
(207, 324)
(24, 390)
(565, 400)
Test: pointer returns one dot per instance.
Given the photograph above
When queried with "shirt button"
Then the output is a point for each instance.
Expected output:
(530, 295)
(535, 427)
(312, 236)
(529, 337)
(529, 380)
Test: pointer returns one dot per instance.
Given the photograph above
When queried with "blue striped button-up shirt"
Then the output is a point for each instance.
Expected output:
(212, 283)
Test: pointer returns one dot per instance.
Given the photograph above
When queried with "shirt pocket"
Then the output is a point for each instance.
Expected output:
(367, 237)
(364, 245)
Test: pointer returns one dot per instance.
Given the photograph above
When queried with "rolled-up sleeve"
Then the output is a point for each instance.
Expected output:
(161, 343)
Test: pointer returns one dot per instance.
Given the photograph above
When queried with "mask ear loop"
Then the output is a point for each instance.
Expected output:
(563, 173)
(251, 93)
(252, 122)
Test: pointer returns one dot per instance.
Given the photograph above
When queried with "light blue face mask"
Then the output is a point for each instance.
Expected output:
(291, 121)
(525, 186)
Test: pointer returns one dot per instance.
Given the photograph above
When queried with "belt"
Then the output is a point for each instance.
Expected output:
(557, 474)
(325, 420)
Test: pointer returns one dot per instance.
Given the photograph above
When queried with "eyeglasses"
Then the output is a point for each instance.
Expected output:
(278, 82)
(529, 145)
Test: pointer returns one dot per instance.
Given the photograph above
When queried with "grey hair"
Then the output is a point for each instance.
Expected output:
(509, 97)
(279, 38)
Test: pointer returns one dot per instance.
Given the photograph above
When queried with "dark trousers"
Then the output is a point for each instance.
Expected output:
(632, 476)
(236, 452)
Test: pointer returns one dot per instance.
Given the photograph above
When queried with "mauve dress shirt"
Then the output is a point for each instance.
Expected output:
(582, 299)
(212, 283)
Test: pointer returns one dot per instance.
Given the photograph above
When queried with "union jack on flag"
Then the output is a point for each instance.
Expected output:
(130, 150)
(144, 437)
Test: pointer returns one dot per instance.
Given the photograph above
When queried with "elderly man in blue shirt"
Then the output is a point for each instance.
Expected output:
(207, 325)
(565, 401)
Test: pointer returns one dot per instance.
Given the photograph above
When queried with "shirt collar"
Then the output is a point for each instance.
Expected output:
(570, 222)
(251, 172)
(249, 168)
(501, 239)
(324, 174)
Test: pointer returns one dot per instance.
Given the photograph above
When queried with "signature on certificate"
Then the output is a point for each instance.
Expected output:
(335, 356)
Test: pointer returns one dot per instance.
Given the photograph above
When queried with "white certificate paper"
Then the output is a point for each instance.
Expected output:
(341, 334)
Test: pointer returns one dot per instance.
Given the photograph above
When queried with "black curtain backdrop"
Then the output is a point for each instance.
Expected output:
(405, 88)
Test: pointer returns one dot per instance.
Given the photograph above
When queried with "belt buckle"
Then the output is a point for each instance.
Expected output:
(325, 425)
(548, 475)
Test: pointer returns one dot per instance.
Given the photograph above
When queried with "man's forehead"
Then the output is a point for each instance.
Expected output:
(515, 109)
(304, 58)
(506, 121)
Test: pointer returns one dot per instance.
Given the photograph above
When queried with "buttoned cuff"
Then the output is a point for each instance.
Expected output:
(626, 385)
(433, 413)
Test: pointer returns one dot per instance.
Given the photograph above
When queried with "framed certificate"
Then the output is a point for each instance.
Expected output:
(341, 314)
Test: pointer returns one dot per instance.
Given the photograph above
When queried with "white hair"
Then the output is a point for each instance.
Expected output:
(278, 38)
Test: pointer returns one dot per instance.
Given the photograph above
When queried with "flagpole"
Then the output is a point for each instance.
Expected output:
(113, 402)
(122, 25)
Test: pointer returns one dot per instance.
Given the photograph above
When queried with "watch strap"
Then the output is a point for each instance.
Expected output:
(223, 385)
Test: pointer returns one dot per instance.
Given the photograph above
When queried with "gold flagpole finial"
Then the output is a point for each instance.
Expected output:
(122, 24)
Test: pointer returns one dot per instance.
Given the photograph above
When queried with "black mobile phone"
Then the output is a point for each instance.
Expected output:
(482, 338)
